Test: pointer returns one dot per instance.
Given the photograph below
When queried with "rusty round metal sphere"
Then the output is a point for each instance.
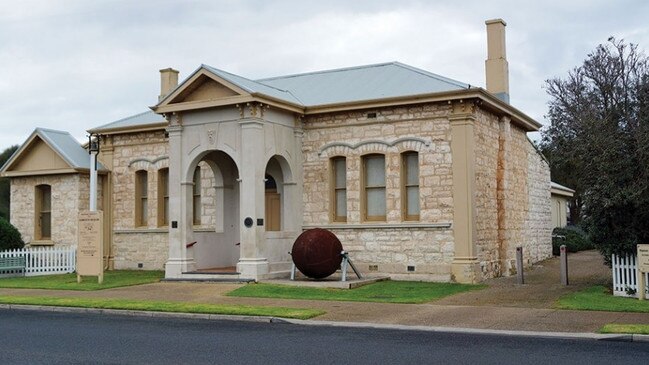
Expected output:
(316, 253)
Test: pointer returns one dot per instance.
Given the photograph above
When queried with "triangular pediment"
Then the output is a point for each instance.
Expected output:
(37, 156)
(204, 88)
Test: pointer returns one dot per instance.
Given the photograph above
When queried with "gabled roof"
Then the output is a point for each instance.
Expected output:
(61, 143)
(143, 120)
(370, 82)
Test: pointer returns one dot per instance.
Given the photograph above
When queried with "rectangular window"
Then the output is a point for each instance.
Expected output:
(141, 198)
(43, 212)
(374, 187)
(163, 197)
(339, 191)
(197, 196)
(410, 186)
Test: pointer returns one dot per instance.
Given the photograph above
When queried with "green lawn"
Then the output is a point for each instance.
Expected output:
(642, 329)
(382, 291)
(112, 279)
(163, 306)
(598, 298)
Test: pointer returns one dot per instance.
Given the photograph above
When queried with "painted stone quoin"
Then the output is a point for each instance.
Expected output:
(420, 177)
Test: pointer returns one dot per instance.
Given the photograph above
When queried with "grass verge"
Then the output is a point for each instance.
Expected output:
(598, 298)
(112, 279)
(642, 329)
(163, 306)
(382, 292)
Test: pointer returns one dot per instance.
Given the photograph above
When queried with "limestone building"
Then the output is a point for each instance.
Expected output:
(420, 176)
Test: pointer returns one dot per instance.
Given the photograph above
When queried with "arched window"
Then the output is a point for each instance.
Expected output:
(163, 197)
(141, 198)
(43, 210)
(410, 186)
(197, 196)
(338, 189)
(373, 186)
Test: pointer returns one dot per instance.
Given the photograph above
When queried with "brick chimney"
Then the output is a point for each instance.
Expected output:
(168, 82)
(497, 68)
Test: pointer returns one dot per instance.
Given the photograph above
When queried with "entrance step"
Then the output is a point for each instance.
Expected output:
(201, 276)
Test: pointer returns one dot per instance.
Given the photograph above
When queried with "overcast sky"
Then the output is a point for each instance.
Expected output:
(76, 64)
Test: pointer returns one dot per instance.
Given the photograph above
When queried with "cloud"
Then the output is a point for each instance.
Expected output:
(73, 65)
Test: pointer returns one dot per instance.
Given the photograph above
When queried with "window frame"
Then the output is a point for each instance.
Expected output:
(196, 196)
(334, 190)
(163, 197)
(365, 188)
(39, 199)
(141, 200)
(405, 187)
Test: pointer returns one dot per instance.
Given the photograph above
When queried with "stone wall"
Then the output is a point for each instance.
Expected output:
(149, 248)
(538, 226)
(70, 194)
(512, 196)
(389, 250)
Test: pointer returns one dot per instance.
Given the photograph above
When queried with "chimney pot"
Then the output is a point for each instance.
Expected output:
(496, 65)
(168, 82)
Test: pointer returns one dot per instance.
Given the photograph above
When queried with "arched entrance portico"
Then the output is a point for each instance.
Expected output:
(217, 235)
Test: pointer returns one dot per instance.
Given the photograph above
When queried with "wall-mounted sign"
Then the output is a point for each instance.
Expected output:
(643, 258)
(90, 248)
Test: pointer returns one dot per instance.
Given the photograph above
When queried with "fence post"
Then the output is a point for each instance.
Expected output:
(564, 264)
(519, 265)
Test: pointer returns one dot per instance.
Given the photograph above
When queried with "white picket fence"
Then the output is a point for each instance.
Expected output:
(46, 260)
(625, 277)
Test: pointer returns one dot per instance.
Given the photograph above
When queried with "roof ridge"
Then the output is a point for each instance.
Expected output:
(327, 71)
(251, 80)
(433, 75)
(52, 130)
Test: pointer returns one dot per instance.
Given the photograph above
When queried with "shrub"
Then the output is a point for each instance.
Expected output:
(573, 237)
(10, 238)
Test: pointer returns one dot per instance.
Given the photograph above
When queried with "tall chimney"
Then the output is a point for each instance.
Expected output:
(168, 82)
(497, 68)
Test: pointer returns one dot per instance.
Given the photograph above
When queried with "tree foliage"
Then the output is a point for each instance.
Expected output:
(4, 183)
(10, 238)
(598, 143)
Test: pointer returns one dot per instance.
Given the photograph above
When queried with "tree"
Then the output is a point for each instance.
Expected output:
(4, 183)
(10, 238)
(598, 144)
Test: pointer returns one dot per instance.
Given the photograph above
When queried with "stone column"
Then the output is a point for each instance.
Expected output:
(465, 267)
(252, 263)
(180, 196)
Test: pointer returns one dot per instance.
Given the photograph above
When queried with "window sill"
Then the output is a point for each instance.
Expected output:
(41, 243)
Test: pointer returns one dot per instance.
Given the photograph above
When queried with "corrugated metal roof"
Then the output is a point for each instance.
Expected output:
(67, 147)
(252, 86)
(369, 82)
(137, 120)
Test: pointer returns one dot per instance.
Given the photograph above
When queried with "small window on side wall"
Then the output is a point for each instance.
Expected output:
(43, 205)
(141, 198)
(339, 189)
(410, 186)
(373, 187)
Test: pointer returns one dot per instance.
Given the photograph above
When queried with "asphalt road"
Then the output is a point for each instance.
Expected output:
(30, 337)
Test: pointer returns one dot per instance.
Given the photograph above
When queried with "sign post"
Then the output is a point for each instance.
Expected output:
(643, 267)
(90, 248)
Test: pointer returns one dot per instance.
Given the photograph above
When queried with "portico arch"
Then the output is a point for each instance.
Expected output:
(217, 237)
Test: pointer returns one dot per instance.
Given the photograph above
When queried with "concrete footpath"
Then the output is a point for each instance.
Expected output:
(503, 306)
